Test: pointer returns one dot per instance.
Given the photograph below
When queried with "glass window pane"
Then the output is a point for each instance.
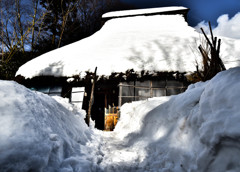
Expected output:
(173, 91)
(77, 94)
(128, 89)
(159, 92)
(78, 89)
(143, 92)
(158, 84)
(55, 91)
(174, 83)
(43, 89)
(143, 84)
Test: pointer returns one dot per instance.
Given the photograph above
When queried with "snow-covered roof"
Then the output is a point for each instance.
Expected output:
(150, 43)
(142, 11)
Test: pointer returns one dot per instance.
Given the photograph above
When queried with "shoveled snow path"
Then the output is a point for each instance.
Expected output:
(118, 156)
(196, 131)
(128, 151)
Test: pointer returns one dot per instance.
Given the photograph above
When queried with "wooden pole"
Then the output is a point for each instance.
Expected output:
(120, 95)
(91, 97)
(151, 90)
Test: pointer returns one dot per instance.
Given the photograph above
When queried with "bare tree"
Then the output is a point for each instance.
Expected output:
(2, 33)
(18, 22)
(65, 14)
(34, 18)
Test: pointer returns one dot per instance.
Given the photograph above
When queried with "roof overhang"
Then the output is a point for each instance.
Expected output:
(146, 12)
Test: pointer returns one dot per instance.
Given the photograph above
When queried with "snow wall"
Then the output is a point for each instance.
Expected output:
(197, 130)
(39, 134)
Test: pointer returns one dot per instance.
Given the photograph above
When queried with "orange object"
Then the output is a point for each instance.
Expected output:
(111, 118)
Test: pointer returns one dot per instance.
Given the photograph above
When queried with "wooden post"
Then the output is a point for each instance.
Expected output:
(151, 89)
(91, 96)
(166, 87)
(134, 90)
(120, 95)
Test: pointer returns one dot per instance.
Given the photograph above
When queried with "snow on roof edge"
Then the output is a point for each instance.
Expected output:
(142, 11)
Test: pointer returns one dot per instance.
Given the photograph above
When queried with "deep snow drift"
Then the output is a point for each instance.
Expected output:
(197, 130)
(39, 134)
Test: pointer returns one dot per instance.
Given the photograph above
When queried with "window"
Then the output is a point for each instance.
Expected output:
(77, 96)
(50, 90)
(134, 91)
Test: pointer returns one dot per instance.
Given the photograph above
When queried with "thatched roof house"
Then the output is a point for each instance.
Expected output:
(138, 54)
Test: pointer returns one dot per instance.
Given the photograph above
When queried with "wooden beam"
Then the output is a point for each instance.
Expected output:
(91, 97)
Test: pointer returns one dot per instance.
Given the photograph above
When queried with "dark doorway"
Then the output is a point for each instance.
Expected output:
(106, 94)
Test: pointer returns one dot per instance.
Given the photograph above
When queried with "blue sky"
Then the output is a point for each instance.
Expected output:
(208, 10)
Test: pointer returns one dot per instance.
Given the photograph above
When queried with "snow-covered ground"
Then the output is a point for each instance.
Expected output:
(197, 130)
(194, 131)
(39, 134)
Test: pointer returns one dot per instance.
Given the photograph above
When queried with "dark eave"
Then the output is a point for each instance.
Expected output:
(183, 12)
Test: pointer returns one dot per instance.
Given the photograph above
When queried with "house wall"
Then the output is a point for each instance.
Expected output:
(114, 90)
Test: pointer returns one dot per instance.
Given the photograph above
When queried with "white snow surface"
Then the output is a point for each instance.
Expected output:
(197, 131)
(142, 11)
(149, 43)
(39, 134)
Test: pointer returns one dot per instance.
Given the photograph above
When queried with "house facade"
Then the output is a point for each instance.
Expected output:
(139, 54)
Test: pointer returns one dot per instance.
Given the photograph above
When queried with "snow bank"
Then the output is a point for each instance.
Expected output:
(195, 131)
(39, 134)
(150, 43)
